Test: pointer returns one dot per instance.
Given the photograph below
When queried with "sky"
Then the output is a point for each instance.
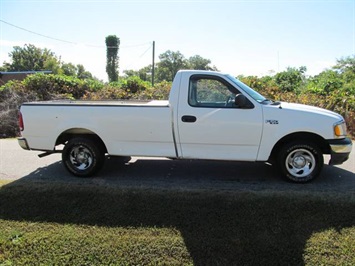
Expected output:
(239, 37)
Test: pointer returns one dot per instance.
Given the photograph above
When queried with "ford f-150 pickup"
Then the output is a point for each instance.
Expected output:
(209, 115)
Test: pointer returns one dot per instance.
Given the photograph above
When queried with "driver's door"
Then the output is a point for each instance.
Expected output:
(211, 126)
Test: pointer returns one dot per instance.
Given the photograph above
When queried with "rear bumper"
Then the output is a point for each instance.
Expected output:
(23, 143)
(339, 150)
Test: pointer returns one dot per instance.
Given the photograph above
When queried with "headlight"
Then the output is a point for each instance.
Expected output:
(340, 129)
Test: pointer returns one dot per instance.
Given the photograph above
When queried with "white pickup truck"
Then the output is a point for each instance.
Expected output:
(209, 115)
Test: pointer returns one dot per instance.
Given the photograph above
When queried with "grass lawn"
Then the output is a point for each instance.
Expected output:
(56, 224)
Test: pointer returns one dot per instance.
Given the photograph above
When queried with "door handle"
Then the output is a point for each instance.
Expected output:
(188, 119)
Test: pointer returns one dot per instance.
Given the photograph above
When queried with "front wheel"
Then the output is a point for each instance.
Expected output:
(300, 162)
(82, 157)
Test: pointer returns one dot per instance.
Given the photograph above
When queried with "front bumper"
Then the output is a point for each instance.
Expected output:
(339, 150)
(23, 143)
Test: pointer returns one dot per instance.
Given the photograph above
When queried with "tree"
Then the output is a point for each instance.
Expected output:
(143, 73)
(69, 69)
(170, 63)
(199, 63)
(78, 71)
(346, 68)
(291, 79)
(112, 47)
(325, 82)
(32, 58)
(82, 73)
(53, 65)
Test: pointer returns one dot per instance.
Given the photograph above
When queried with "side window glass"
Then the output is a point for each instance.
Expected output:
(208, 92)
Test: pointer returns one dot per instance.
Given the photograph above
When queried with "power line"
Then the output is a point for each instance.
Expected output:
(36, 33)
(146, 51)
(70, 42)
(134, 61)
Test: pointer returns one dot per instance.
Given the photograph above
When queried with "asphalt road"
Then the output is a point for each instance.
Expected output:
(18, 165)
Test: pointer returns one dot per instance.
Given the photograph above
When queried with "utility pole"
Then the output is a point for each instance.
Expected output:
(153, 64)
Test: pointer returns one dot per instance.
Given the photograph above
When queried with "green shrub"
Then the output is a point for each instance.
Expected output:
(125, 89)
(92, 84)
(134, 84)
(49, 87)
(253, 82)
(107, 93)
(159, 92)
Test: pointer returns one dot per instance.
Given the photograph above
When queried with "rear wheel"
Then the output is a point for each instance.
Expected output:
(300, 162)
(83, 157)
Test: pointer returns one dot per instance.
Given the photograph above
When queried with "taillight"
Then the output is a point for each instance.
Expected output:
(20, 122)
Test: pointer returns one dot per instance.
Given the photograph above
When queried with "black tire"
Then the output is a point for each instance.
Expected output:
(82, 157)
(300, 162)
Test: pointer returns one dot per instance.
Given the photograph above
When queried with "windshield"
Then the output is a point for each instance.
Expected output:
(252, 93)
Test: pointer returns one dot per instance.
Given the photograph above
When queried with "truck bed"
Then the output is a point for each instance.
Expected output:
(126, 127)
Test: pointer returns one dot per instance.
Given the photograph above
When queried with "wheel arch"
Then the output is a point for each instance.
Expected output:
(300, 136)
(71, 133)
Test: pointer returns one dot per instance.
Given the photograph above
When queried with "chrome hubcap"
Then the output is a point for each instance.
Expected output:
(81, 157)
(300, 163)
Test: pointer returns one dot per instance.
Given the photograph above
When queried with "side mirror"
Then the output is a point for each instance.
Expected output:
(240, 100)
